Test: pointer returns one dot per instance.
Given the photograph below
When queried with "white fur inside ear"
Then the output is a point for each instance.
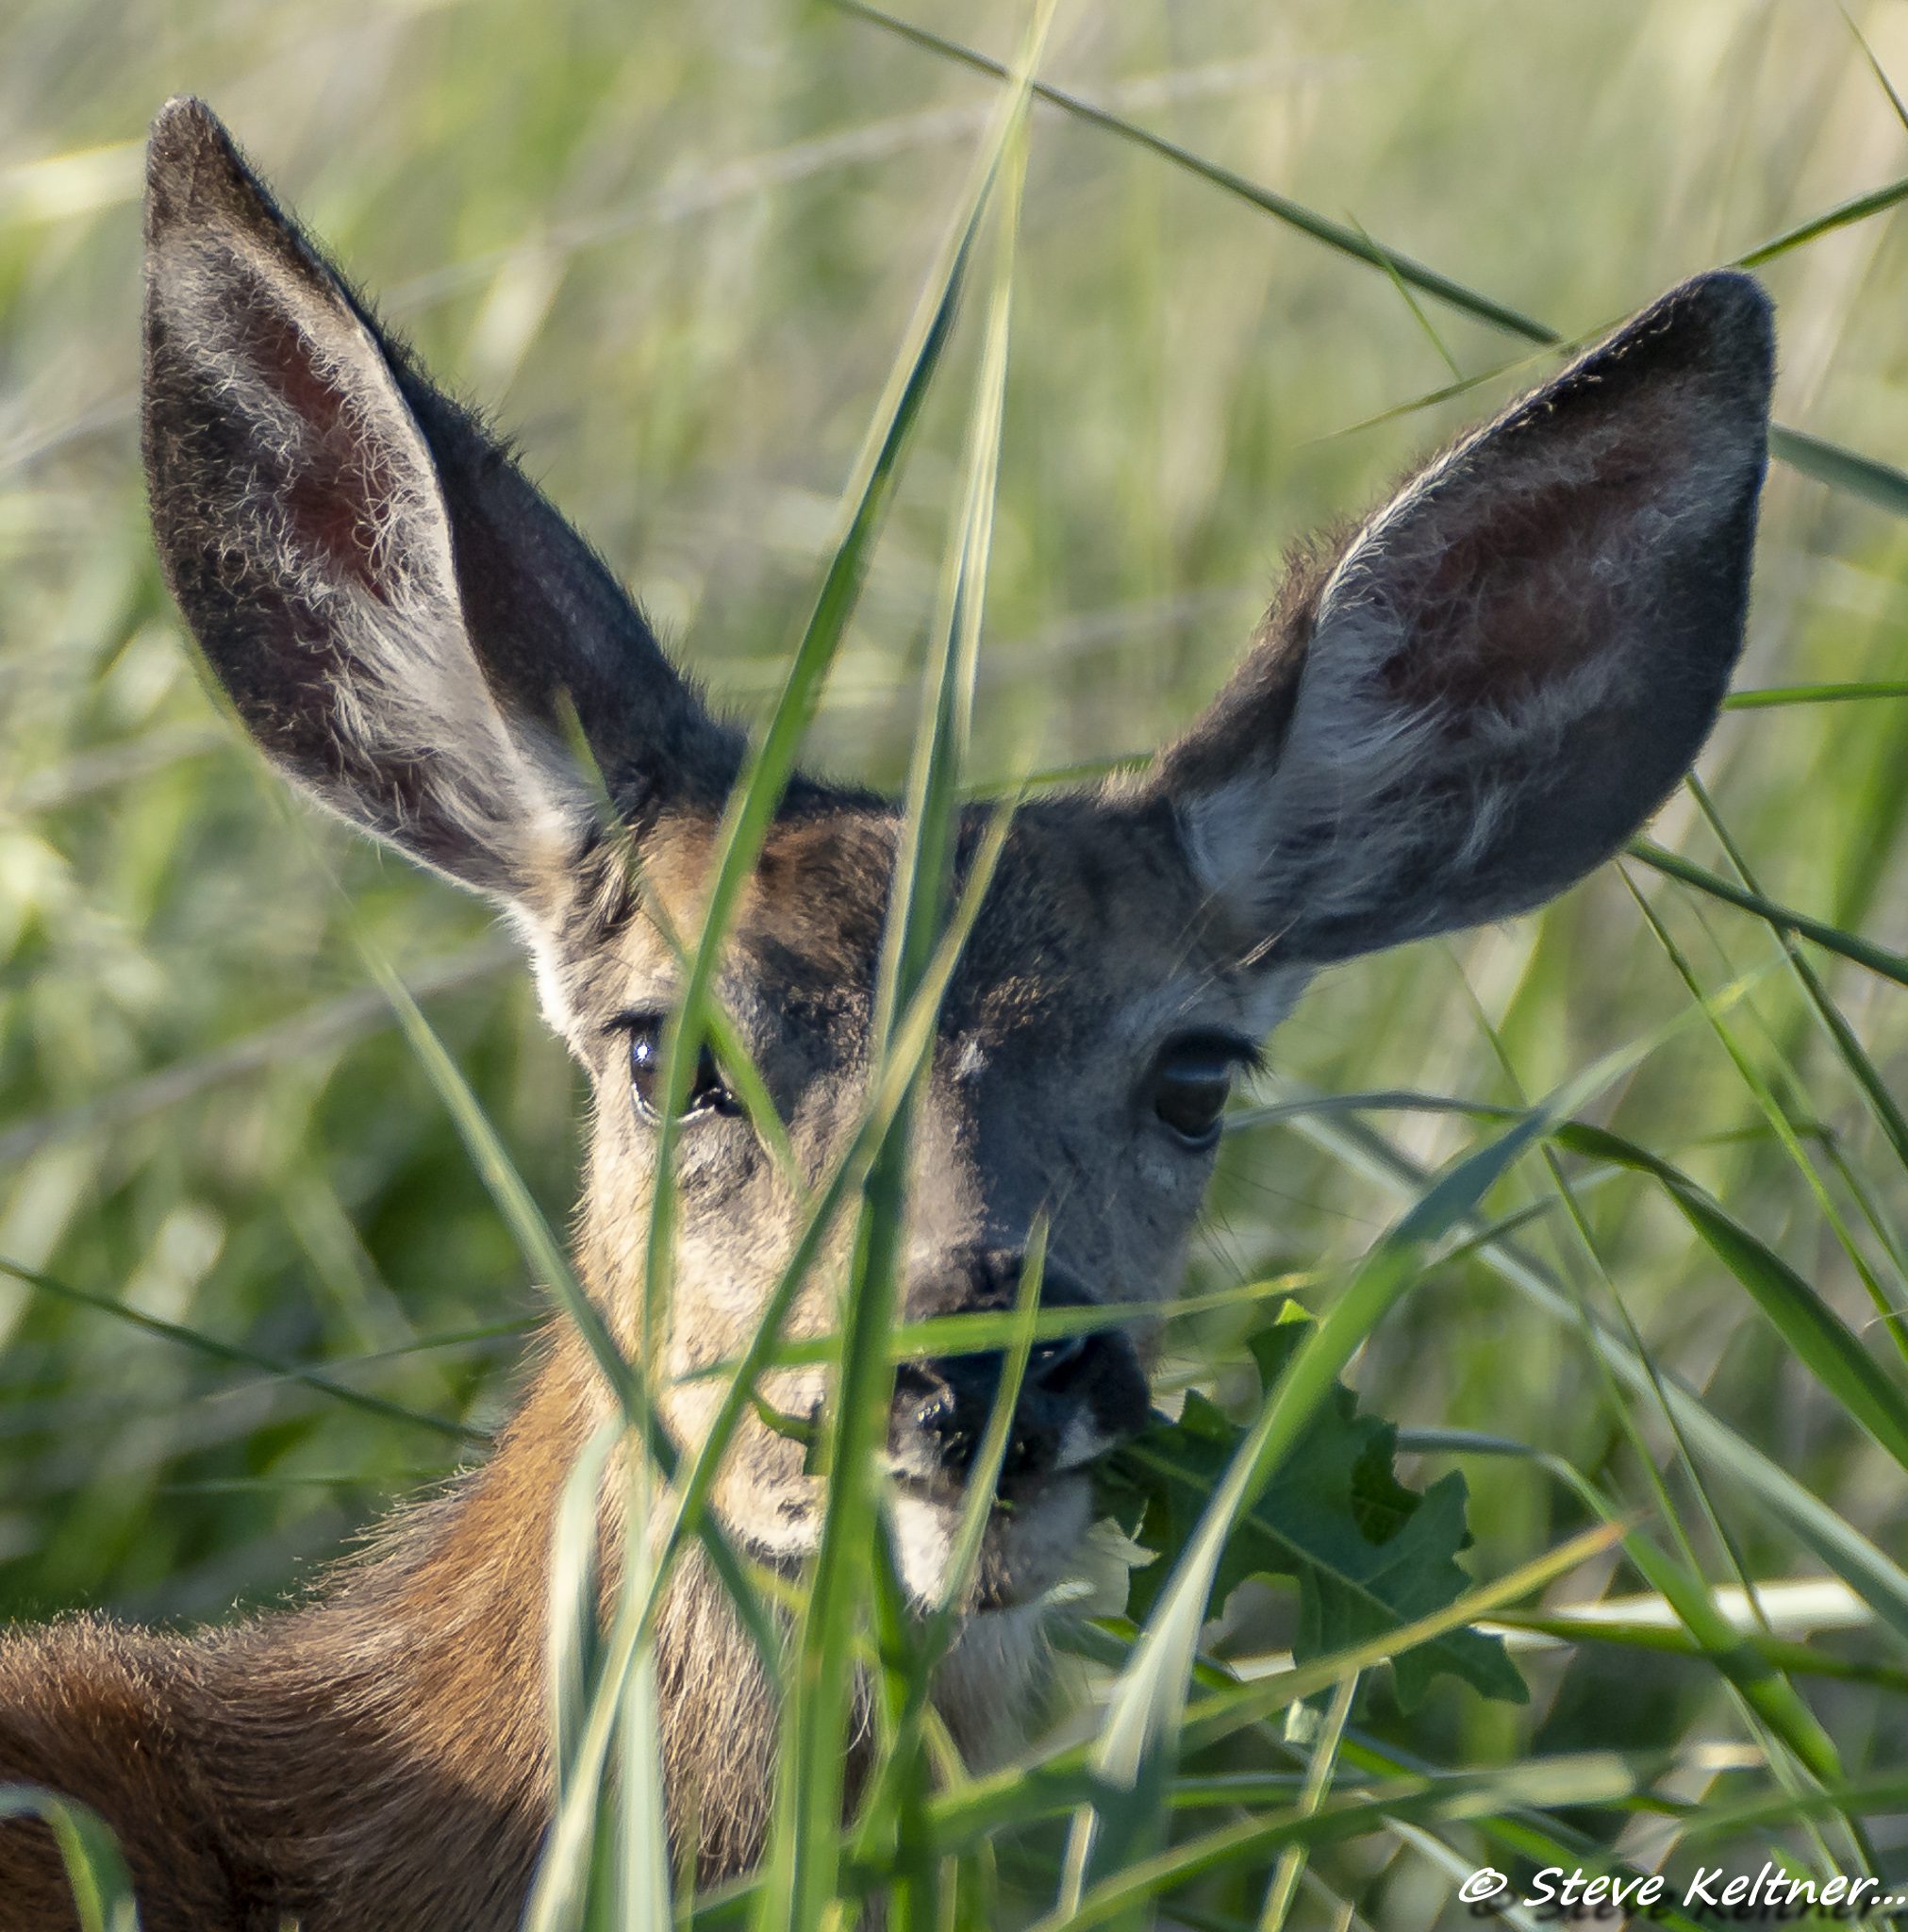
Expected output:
(1306, 812)
(221, 292)
(1374, 798)
(546, 970)
(371, 563)
(1509, 664)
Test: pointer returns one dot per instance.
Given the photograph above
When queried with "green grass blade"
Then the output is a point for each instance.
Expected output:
(237, 1354)
(1875, 482)
(1858, 207)
(912, 1042)
(804, 1857)
(1144, 1713)
(1785, 919)
(1600, 1779)
(1875, 67)
(1842, 468)
(573, 1626)
(95, 1869)
(1347, 241)
(1286, 1875)
(1777, 695)
(1867, 1570)
(1817, 1335)
(1854, 1056)
(1885, 1301)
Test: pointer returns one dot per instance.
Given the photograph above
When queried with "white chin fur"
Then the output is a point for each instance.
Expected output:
(1023, 1555)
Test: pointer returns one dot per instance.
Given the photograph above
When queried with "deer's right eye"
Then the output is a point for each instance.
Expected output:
(708, 1092)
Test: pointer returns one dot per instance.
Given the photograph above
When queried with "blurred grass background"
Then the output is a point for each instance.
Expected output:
(673, 251)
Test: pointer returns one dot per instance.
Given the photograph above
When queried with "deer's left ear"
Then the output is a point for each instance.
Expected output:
(1505, 670)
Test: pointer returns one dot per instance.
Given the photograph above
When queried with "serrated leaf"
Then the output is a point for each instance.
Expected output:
(1368, 1553)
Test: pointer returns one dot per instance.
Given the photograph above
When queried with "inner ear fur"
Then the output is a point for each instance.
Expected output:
(1462, 705)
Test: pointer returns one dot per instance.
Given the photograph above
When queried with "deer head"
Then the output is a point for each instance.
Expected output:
(1454, 711)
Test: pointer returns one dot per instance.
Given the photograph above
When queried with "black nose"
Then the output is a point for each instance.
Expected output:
(1081, 1393)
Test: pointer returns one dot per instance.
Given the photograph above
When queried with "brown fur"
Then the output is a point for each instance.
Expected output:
(1452, 711)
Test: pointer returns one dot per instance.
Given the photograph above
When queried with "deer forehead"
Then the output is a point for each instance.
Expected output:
(1089, 930)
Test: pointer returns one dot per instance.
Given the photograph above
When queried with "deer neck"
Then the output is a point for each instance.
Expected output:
(382, 1755)
(407, 1707)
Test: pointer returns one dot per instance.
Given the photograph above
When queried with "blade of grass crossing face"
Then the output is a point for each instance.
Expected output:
(742, 1076)
(917, 911)
(911, 1043)
(899, 1791)
(753, 806)
(540, 1248)
(987, 1334)
(805, 1847)
(934, 788)
(895, 1815)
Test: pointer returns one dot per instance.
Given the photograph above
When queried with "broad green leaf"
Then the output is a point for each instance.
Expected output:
(1366, 1552)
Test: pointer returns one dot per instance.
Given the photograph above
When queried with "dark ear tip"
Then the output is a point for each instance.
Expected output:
(193, 164)
(1719, 326)
(1731, 309)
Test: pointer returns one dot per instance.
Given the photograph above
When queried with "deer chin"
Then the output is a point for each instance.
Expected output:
(1028, 1548)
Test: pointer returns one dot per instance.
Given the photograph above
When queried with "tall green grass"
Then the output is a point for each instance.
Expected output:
(958, 443)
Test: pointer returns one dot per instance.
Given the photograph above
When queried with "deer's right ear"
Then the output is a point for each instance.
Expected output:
(399, 617)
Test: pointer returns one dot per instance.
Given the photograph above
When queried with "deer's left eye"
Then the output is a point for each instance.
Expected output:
(708, 1092)
(1191, 1083)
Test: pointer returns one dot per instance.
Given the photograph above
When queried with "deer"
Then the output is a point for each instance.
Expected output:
(1456, 708)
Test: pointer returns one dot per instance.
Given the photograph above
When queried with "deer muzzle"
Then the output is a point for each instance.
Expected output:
(1080, 1394)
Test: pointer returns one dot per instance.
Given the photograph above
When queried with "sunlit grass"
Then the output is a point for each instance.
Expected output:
(267, 1225)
